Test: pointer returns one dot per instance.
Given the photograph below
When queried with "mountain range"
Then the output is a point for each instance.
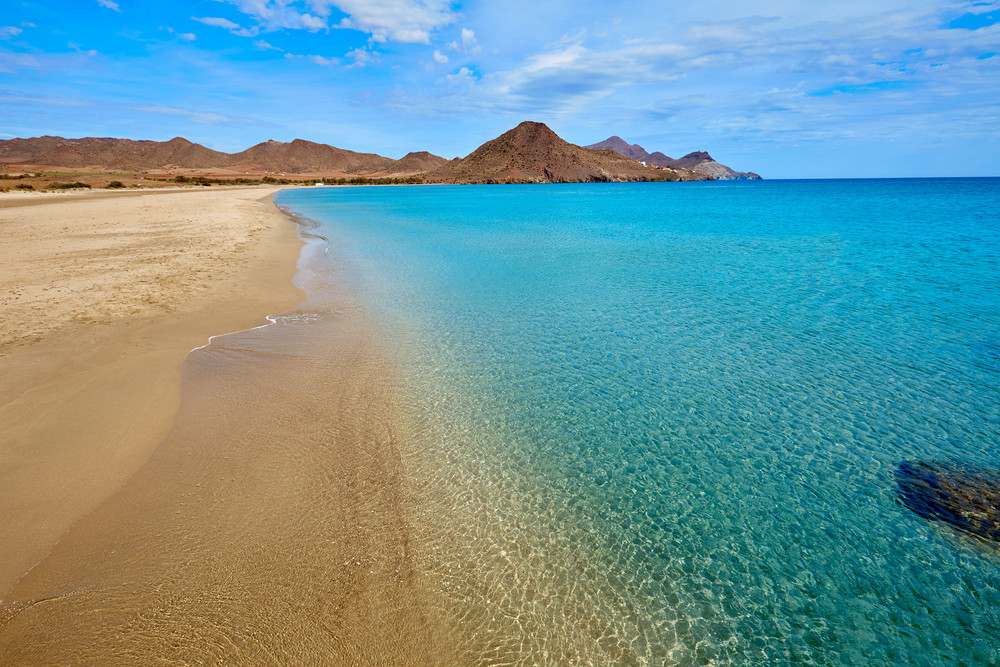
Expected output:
(698, 161)
(533, 153)
(529, 153)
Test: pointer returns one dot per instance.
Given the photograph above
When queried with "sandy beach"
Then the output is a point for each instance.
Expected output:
(104, 295)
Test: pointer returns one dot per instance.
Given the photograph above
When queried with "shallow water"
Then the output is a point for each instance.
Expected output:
(658, 423)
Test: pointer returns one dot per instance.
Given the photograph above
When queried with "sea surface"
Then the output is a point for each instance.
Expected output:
(658, 423)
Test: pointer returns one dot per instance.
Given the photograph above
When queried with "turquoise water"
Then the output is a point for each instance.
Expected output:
(658, 423)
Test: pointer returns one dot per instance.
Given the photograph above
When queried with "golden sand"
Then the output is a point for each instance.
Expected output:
(242, 508)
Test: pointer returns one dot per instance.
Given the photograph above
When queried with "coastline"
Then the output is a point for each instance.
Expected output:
(112, 297)
(257, 510)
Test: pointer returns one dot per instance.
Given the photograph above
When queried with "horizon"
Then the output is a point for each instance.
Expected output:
(770, 87)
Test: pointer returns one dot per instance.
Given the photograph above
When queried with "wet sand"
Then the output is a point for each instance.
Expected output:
(245, 507)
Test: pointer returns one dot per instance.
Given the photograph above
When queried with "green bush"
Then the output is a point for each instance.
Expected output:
(115, 185)
(24, 186)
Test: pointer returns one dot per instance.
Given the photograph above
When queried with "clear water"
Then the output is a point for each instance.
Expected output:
(658, 423)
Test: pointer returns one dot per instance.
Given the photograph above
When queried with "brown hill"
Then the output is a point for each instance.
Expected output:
(127, 154)
(306, 156)
(418, 162)
(532, 153)
(24, 150)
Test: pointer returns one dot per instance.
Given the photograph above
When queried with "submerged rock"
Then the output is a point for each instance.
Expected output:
(963, 496)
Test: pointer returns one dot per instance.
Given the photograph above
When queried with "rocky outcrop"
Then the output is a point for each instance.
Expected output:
(533, 153)
(962, 496)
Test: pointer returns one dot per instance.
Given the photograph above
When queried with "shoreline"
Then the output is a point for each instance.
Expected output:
(91, 363)
(259, 514)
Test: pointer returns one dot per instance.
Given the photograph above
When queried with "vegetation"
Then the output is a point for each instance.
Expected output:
(11, 177)
(65, 186)
(270, 180)
(114, 185)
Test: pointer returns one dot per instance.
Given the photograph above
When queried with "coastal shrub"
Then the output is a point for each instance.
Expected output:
(181, 179)
(65, 186)
(115, 185)
(24, 186)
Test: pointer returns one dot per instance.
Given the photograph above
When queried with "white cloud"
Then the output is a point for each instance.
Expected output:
(188, 36)
(260, 43)
(469, 44)
(320, 60)
(217, 22)
(109, 4)
(462, 76)
(361, 57)
(9, 31)
(278, 15)
(200, 117)
(410, 21)
(440, 57)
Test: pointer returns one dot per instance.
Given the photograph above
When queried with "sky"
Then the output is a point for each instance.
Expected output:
(785, 88)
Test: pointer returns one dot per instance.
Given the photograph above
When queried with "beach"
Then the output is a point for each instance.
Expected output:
(152, 509)
(103, 295)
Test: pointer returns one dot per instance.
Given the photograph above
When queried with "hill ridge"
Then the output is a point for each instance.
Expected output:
(699, 161)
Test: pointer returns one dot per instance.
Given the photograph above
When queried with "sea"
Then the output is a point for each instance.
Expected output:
(660, 423)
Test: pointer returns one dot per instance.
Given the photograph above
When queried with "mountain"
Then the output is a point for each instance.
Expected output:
(271, 156)
(698, 161)
(532, 153)
(306, 156)
(24, 150)
(115, 153)
(417, 163)
(622, 147)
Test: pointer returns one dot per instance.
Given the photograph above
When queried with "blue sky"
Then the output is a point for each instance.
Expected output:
(786, 88)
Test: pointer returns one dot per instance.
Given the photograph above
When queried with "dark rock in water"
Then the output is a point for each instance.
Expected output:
(965, 497)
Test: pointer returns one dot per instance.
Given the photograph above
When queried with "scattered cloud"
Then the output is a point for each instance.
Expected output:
(260, 43)
(406, 21)
(109, 4)
(361, 57)
(463, 76)
(217, 22)
(232, 27)
(466, 43)
(195, 116)
(187, 36)
(280, 14)
(9, 32)
(440, 57)
(320, 60)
